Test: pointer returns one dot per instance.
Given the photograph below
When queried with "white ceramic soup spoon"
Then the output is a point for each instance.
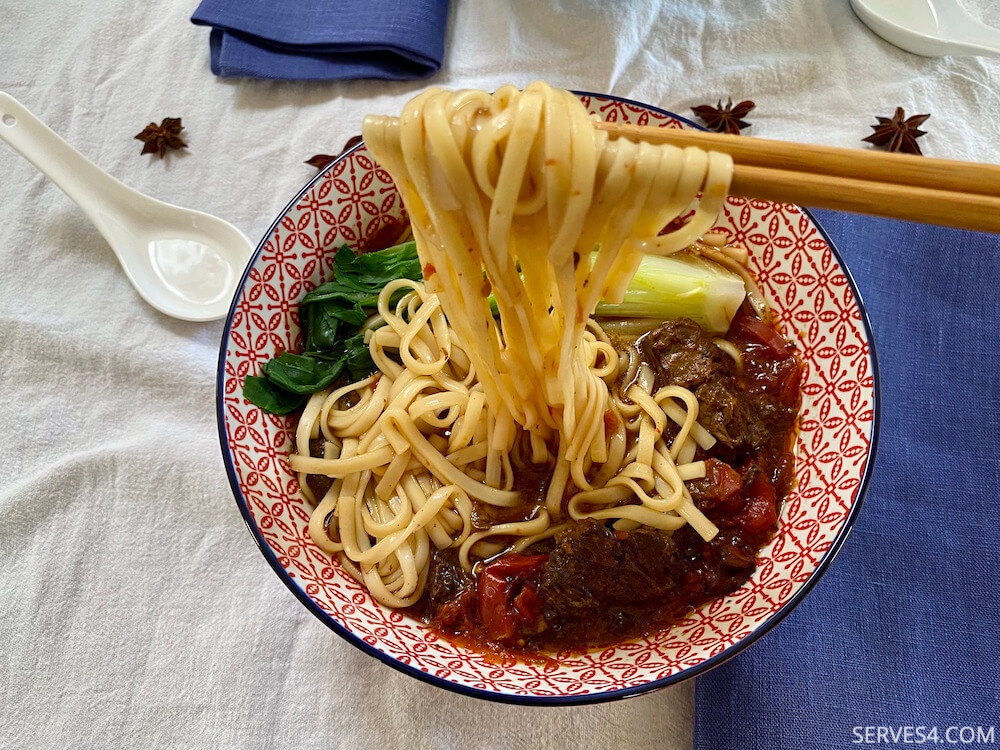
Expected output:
(184, 263)
(928, 27)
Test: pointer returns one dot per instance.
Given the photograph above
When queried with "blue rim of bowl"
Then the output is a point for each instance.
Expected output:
(560, 700)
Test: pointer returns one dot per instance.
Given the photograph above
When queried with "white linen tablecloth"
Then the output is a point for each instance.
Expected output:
(135, 611)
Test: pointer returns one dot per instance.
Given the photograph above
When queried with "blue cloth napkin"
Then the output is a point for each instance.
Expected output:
(322, 40)
(899, 644)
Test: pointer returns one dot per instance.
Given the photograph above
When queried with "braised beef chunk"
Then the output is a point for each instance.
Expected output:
(682, 354)
(449, 600)
(318, 484)
(720, 490)
(447, 579)
(730, 414)
(596, 577)
(717, 567)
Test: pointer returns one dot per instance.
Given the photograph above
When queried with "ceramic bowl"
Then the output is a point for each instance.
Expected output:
(353, 201)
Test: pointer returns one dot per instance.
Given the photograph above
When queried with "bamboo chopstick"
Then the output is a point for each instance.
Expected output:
(899, 186)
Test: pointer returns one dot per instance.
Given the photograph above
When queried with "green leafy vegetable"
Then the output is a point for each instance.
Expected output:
(261, 392)
(301, 373)
(330, 316)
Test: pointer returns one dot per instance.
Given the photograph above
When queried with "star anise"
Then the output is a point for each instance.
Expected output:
(320, 161)
(158, 138)
(898, 133)
(728, 119)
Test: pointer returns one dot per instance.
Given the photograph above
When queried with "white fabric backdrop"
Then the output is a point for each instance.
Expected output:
(134, 609)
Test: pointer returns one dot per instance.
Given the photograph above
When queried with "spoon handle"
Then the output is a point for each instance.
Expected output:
(97, 193)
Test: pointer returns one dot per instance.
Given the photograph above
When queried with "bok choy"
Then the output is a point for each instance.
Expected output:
(680, 286)
(330, 317)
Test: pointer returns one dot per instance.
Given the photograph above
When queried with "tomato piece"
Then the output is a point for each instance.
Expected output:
(760, 512)
(755, 330)
(527, 604)
(506, 601)
(494, 606)
(725, 483)
(456, 614)
(789, 382)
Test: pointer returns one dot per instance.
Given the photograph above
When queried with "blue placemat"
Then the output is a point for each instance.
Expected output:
(899, 644)
(321, 40)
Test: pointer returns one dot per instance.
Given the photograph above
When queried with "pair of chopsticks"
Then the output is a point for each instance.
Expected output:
(898, 186)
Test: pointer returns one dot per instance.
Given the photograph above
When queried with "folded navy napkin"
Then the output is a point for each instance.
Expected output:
(322, 40)
(899, 644)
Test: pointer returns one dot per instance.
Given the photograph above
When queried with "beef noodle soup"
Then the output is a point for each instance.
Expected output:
(531, 463)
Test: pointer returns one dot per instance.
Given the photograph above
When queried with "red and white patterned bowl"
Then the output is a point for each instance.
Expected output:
(350, 202)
